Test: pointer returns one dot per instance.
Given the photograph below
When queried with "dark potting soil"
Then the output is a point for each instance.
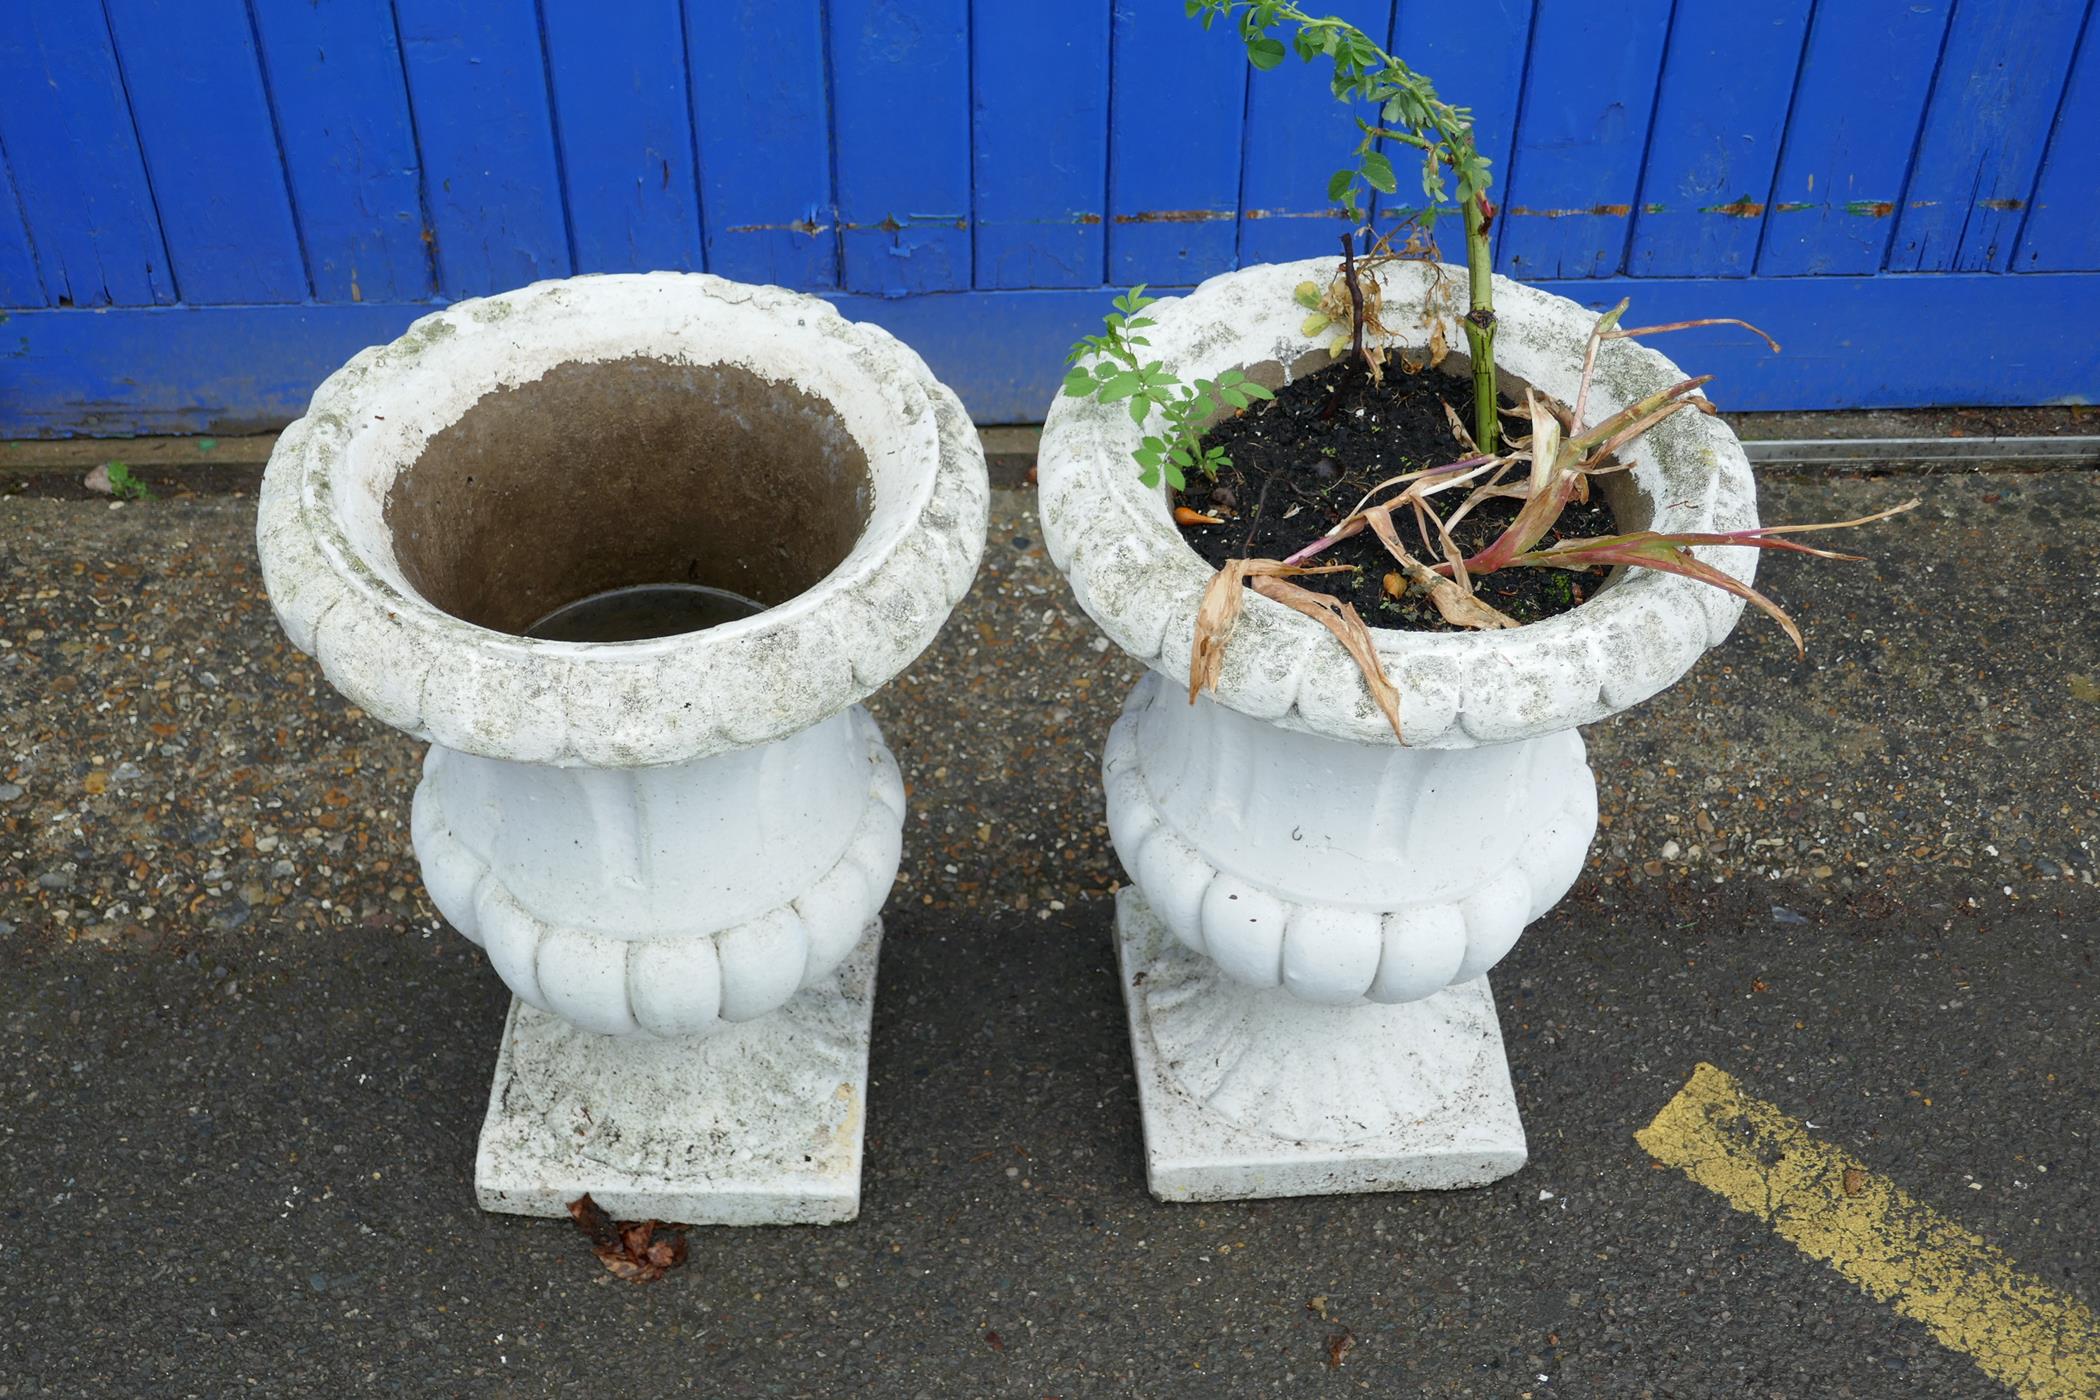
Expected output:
(1302, 461)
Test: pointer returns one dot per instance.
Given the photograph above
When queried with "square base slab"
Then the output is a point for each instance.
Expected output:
(757, 1124)
(1466, 1133)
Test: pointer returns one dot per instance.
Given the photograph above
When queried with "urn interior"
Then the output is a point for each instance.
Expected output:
(609, 474)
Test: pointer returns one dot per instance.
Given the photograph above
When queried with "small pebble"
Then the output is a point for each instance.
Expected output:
(127, 773)
(9, 792)
(1671, 850)
(1783, 915)
(56, 879)
(283, 870)
(1022, 542)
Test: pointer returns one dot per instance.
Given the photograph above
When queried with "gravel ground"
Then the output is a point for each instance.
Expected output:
(244, 1062)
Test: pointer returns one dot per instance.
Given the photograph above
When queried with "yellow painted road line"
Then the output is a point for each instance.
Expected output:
(2042, 1343)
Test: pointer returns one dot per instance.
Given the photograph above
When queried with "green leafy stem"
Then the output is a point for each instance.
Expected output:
(1409, 113)
(1118, 374)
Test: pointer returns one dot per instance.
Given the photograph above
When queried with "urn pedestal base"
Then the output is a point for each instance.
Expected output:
(1248, 1092)
(757, 1124)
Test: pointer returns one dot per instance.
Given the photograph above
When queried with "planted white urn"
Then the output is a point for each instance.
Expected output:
(674, 849)
(1315, 904)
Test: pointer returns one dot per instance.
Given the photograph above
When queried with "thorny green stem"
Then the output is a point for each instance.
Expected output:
(1409, 112)
(1480, 320)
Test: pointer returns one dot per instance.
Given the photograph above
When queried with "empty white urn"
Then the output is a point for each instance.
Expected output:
(674, 850)
(1314, 904)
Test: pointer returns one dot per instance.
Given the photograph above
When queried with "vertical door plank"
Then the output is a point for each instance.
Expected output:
(19, 283)
(2063, 226)
(1576, 171)
(477, 85)
(1475, 56)
(761, 116)
(1039, 134)
(1178, 99)
(341, 101)
(1719, 121)
(901, 88)
(625, 128)
(1297, 136)
(1857, 106)
(2000, 81)
(211, 147)
(75, 159)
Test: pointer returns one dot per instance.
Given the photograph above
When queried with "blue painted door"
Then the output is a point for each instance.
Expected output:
(206, 205)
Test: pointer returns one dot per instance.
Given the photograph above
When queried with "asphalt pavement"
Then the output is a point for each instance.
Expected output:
(243, 1064)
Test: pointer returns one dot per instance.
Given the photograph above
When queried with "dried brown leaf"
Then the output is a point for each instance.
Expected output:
(638, 1251)
(1220, 608)
(1454, 602)
(1339, 1346)
(1459, 430)
(591, 1218)
(1341, 619)
(1617, 334)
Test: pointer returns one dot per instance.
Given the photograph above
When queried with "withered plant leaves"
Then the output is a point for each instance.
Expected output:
(639, 1251)
(1338, 1348)
(1220, 609)
(1458, 606)
(1459, 430)
(1341, 619)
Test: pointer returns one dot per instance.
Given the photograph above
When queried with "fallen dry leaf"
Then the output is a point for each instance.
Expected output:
(1855, 1180)
(995, 1341)
(1339, 1346)
(1394, 585)
(639, 1251)
(1184, 516)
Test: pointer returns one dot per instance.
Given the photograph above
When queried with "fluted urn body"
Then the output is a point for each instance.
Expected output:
(674, 848)
(1315, 903)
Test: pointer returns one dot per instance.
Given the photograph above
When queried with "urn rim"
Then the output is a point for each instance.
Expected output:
(331, 569)
(1132, 572)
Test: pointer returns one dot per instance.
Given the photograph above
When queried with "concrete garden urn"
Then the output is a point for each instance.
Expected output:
(674, 849)
(1314, 904)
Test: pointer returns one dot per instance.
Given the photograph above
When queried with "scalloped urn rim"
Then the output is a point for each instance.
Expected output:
(1132, 572)
(338, 590)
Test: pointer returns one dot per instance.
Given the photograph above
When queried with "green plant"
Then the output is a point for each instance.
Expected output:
(1410, 113)
(125, 485)
(1119, 374)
